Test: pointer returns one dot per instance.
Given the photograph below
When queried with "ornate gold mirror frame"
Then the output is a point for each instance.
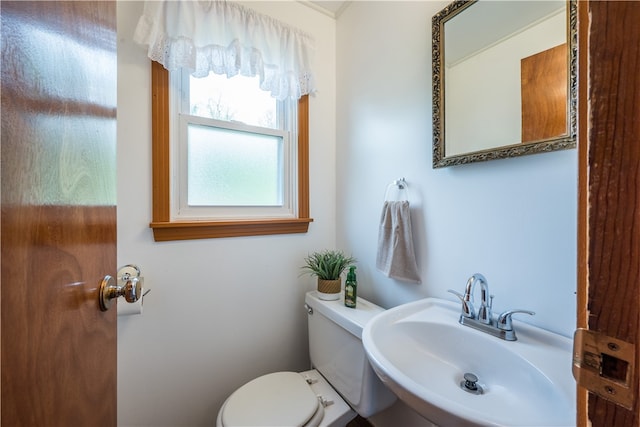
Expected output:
(546, 144)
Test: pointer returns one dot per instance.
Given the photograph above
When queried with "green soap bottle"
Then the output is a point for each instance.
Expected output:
(351, 288)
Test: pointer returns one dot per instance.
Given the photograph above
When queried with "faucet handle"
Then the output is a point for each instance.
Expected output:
(467, 306)
(456, 293)
(504, 320)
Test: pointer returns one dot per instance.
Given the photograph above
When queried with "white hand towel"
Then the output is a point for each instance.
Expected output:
(396, 257)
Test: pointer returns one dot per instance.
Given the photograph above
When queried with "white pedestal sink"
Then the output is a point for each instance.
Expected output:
(421, 352)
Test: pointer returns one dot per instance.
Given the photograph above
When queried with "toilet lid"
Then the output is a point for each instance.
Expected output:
(278, 399)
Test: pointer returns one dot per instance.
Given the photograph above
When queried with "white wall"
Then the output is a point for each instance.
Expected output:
(513, 220)
(221, 311)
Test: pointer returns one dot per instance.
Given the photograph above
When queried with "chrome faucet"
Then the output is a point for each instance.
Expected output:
(502, 327)
(484, 312)
(468, 310)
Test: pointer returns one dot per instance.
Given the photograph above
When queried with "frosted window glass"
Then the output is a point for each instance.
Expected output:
(231, 168)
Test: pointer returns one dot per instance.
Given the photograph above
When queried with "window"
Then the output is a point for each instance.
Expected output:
(232, 150)
(263, 172)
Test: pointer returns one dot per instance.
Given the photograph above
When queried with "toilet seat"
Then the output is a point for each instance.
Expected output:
(277, 399)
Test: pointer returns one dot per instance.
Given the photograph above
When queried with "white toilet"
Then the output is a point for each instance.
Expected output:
(326, 396)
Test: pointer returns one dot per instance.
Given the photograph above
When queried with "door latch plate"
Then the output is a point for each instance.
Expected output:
(605, 366)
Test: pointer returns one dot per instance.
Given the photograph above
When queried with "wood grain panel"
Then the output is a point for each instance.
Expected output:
(58, 348)
(614, 187)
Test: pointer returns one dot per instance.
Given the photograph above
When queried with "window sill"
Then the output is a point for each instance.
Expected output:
(189, 230)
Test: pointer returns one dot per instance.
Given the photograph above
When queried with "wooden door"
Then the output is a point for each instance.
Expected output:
(609, 206)
(543, 88)
(58, 218)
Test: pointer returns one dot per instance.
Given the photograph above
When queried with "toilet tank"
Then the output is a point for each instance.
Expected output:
(336, 351)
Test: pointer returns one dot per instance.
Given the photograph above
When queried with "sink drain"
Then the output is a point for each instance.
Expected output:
(470, 384)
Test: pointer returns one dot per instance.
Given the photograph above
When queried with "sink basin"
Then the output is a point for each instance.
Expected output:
(421, 352)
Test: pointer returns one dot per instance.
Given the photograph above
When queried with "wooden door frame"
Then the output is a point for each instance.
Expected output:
(609, 167)
(583, 192)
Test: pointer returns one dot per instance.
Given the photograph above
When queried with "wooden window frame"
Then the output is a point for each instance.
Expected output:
(164, 229)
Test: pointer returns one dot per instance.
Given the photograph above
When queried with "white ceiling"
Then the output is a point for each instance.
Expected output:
(487, 22)
(331, 8)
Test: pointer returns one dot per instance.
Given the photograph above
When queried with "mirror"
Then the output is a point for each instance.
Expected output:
(504, 79)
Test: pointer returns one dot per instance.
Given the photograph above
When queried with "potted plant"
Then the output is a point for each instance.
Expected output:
(328, 266)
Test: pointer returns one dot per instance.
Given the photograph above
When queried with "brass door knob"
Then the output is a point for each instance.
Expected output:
(128, 285)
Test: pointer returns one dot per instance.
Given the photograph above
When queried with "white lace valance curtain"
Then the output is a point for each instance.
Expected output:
(227, 38)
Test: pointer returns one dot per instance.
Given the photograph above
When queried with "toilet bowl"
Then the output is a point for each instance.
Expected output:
(285, 399)
(341, 385)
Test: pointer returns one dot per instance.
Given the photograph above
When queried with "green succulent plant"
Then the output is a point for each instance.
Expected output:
(327, 264)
